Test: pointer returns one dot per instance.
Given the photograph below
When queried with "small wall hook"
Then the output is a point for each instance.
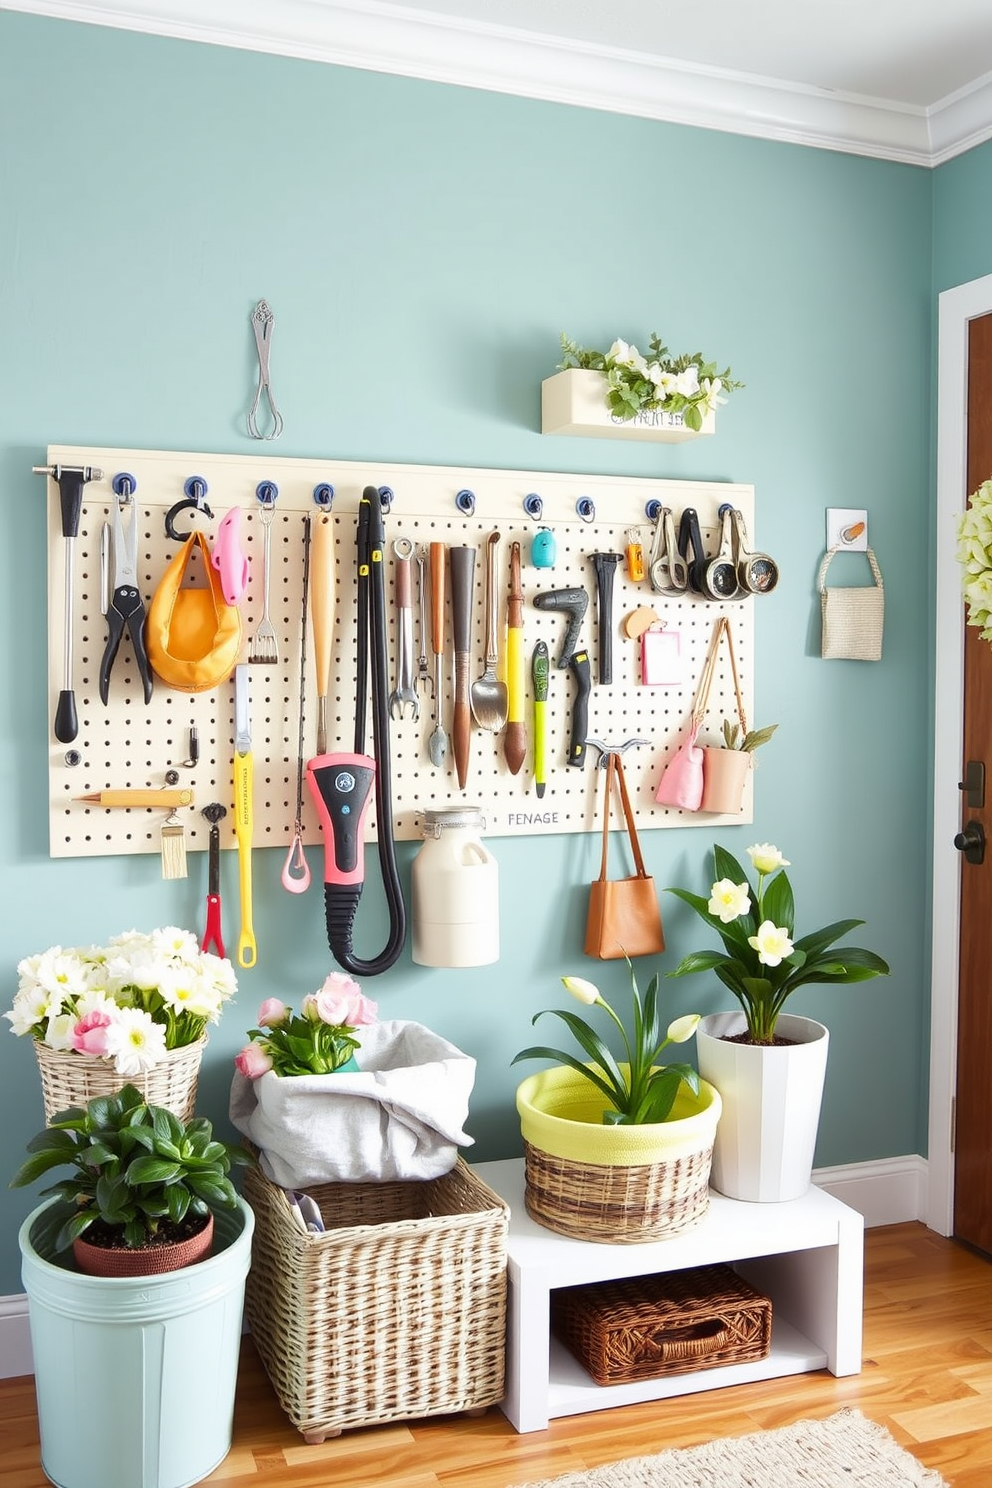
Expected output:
(586, 508)
(465, 502)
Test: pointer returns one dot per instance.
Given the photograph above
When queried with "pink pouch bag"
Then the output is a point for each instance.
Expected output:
(681, 783)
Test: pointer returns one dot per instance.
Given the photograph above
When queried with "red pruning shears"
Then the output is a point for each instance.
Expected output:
(212, 937)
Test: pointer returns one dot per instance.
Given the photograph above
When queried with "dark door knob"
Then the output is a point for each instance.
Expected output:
(971, 841)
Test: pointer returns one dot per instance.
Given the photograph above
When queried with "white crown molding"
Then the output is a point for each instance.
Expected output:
(379, 37)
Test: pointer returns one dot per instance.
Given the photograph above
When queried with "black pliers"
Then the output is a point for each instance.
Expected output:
(125, 605)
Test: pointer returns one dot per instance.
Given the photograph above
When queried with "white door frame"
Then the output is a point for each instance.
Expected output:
(956, 308)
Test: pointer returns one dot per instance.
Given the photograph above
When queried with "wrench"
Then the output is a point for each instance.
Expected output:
(423, 669)
(404, 692)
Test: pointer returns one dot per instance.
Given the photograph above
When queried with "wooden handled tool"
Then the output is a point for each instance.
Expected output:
(462, 560)
(437, 744)
(322, 614)
(243, 818)
(515, 733)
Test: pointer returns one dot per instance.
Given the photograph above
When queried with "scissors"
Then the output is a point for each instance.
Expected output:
(262, 321)
(125, 605)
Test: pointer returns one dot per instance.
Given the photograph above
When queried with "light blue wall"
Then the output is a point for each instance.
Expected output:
(962, 238)
(423, 247)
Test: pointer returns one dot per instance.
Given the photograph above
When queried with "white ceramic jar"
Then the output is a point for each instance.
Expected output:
(455, 892)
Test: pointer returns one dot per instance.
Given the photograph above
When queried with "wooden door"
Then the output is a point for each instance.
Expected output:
(973, 1110)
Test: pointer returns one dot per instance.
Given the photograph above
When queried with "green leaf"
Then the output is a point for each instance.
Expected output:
(153, 1170)
(778, 902)
(75, 1226)
(33, 1167)
(819, 940)
(757, 737)
(558, 1056)
(589, 1040)
(693, 420)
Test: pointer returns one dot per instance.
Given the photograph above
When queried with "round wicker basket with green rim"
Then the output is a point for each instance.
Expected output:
(623, 1184)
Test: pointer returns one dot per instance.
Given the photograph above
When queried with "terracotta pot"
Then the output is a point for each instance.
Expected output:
(725, 774)
(153, 1260)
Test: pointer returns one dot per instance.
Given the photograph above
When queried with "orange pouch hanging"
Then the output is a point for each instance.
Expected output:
(192, 636)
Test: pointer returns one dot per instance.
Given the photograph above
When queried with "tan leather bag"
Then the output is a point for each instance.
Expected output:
(624, 916)
(192, 636)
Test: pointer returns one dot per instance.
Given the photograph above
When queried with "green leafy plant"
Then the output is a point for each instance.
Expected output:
(688, 384)
(761, 964)
(138, 1168)
(752, 740)
(640, 1090)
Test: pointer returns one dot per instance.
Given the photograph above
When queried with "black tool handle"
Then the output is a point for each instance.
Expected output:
(70, 484)
(605, 565)
(115, 629)
(574, 602)
(691, 537)
(66, 720)
(579, 663)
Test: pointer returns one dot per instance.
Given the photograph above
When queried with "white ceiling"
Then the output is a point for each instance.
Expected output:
(901, 79)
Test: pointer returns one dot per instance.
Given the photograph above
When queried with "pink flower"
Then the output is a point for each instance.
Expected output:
(90, 1034)
(338, 1000)
(272, 1013)
(365, 1011)
(253, 1060)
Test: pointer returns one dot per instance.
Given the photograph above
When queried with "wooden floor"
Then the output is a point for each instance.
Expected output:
(927, 1377)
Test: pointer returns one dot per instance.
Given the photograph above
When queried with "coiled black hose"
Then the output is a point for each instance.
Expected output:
(341, 900)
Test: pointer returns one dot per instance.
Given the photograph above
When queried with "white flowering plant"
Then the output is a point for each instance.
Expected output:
(687, 384)
(130, 1001)
(975, 557)
(761, 963)
(640, 1090)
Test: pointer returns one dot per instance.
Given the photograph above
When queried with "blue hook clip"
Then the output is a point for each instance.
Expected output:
(465, 502)
(267, 491)
(386, 498)
(124, 485)
(323, 495)
(534, 506)
(653, 509)
(586, 508)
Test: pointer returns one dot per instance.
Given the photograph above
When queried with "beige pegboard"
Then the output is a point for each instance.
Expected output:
(129, 744)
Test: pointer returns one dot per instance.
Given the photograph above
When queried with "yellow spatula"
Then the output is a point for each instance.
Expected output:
(243, 773)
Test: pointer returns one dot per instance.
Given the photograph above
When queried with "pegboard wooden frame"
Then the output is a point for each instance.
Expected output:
(126, 744)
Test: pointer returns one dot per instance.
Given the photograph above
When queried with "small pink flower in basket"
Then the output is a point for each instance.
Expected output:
(253, 1061)
(90, 1034)
(318, 1040)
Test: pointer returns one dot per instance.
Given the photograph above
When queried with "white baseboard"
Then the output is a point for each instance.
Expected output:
(890, 1191)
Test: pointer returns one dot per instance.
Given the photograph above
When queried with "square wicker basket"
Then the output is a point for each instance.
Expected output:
(647, 1326)
(396, 1312)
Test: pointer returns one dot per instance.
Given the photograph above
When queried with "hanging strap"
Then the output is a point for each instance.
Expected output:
(614, 771)
(701, 699)
(733, 669)
(821, 577)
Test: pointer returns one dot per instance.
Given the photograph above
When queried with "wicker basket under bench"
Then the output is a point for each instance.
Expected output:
(646, 1326)
(396, 1312)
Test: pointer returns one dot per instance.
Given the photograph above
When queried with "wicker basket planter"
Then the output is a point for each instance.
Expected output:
(70, 1079)
(644, 1327)
(396, 1312)
(623, 1184)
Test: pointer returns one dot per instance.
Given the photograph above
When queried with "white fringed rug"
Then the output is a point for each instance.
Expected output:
(843, 1451)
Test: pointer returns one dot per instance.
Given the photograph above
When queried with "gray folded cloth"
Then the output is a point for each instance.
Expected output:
(400, 1116)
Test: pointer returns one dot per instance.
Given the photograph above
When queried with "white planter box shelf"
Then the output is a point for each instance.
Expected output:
(806, 1255)
(574, 402)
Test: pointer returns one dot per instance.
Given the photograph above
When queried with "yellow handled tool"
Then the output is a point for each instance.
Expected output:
(243, 774)
(515, 733)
